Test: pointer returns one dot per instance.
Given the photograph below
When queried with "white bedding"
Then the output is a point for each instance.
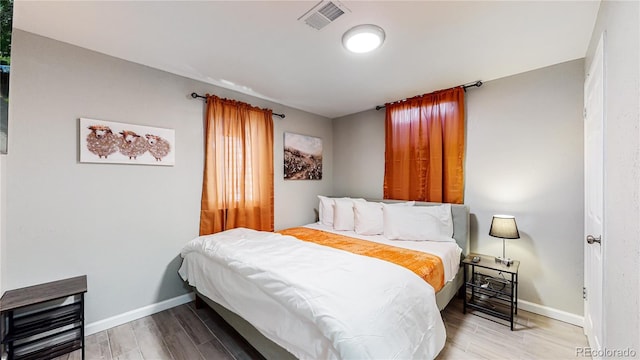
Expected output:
(449, 252)
(315, 301)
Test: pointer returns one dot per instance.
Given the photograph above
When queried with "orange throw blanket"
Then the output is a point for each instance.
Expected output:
(428, 267)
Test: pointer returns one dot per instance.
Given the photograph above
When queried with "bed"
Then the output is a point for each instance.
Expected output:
(293, 326)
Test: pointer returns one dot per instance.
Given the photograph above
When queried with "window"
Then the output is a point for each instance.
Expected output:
(424, 152)
(237, 189)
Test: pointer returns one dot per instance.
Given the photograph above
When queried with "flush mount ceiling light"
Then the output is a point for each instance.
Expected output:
(363, 38)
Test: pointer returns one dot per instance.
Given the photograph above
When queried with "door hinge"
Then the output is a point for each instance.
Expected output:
(584, 112)
(584, 293)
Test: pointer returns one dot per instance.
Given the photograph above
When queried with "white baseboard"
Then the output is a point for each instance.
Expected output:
(551, 313)
(124, 318)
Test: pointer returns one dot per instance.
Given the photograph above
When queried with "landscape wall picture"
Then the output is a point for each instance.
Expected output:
(302, 157)
(6, 26)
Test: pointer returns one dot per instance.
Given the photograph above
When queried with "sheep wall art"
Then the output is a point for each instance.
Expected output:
(118, 143)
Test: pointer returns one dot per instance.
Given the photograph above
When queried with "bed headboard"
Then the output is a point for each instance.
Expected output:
(460, 215)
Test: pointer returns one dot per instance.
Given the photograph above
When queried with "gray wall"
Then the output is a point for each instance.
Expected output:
(122, 225)
(359, 139)
(523, 157)
(621, 239)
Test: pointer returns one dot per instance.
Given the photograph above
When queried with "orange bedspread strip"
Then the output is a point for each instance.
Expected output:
(428, 267)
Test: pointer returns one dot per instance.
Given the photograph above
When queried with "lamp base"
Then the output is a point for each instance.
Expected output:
(504, 261)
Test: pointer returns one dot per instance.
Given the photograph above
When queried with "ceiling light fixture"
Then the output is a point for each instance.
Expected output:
(363, 38)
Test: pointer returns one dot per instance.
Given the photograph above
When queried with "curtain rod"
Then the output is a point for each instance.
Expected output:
(195, 96)
(465, 86)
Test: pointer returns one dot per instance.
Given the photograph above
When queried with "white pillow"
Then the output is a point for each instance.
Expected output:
(368, 218)
(343, 216)
(443, 214)
(413, 223)
(325, 210)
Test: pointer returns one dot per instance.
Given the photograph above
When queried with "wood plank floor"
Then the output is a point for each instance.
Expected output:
(188, 333)
(472, 336)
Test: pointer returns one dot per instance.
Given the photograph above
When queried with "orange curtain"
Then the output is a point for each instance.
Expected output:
(424, 154)
(237, 189)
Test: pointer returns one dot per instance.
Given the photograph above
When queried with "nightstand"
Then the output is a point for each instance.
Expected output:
(491, 287)
(39, 324)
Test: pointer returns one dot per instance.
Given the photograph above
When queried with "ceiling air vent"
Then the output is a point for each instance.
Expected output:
(323, 13)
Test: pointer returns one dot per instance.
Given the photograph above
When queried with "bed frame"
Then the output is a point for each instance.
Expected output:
(271, 350)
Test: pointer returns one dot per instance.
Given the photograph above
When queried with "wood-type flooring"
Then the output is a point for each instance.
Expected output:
(185, 332)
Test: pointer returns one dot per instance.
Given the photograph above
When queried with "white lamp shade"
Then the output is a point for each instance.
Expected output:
(504, 226)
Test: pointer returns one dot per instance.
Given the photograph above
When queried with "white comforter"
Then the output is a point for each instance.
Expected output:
(317, 302)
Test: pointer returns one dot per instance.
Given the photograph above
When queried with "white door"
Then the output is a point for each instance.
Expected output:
(594, 207)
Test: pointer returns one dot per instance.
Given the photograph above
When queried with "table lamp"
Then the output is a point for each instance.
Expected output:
(504, 227)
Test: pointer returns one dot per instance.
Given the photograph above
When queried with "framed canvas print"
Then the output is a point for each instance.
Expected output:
(119, 143)
(302, 157)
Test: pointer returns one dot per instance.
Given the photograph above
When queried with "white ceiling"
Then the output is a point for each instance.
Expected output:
(260, 48)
